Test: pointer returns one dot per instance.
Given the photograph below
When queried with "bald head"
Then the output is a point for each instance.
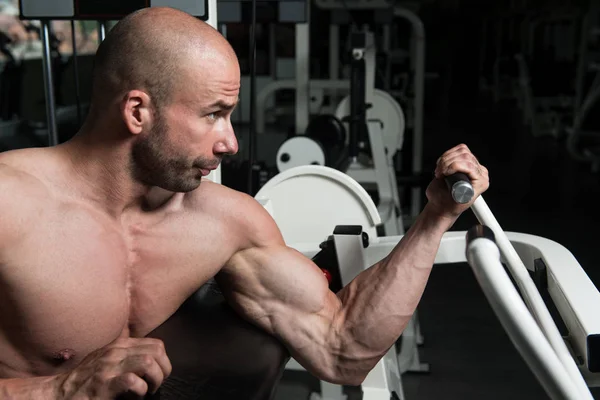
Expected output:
(149, 50)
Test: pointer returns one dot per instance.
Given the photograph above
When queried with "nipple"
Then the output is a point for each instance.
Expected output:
(64, 355)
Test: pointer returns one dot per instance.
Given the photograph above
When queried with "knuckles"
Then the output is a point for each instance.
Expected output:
(146, 361)
(160, 345)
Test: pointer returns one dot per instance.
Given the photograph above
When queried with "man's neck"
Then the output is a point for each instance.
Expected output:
(103, 175)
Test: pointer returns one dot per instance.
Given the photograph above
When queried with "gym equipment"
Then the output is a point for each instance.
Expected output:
(548, 102)
(210, 347)
(370, 112)
(299, 151)
(573, 294)
(385, 109)
(314, 89)
(288, 11)
(314, 186)
(106, 9)
(530, 57)
(292, 201)
(584, 144)
(330, 133)
(417, 74)
(366, 127)
(296, 11)
(583, 140)
(375, 123)
(460, 188)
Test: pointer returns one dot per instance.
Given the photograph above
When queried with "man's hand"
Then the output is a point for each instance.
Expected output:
(126, 366)
(457, 159)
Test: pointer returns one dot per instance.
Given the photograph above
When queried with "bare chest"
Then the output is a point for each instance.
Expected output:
(76, 284)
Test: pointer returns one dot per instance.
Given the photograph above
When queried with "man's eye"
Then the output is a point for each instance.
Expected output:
(212, 116)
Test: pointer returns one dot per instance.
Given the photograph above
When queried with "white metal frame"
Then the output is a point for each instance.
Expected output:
(484, 258)
(382, 174)
(274, 86)
(559, 289)
(330, 196)
(571, 290)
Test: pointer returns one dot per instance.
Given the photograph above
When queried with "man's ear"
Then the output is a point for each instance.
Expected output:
(136, 111)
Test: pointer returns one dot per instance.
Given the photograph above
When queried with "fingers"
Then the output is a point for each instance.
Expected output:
(464, 166)
(156, 349)
(146, 358)
(128, 382)
(146, 367)
(460, 159)
(461, 148)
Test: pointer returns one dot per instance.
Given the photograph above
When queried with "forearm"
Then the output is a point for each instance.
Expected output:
(46, 387)
(378, 304)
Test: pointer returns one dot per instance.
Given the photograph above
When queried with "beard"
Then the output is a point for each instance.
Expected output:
(156, 162)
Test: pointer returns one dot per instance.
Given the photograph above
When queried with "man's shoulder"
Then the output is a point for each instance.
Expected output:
(23, 164)
(22, 197)
(17, 180)
(238, 210)
(212, 196)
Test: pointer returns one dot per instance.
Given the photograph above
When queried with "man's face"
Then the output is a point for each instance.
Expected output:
(189, 136)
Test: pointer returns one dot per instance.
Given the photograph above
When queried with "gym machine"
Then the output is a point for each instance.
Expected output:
(375, 124)
(385, 121)
(367, 132)
(547, 109)
(565, 366)
(583, 141)
(288, 11)
(417, 73)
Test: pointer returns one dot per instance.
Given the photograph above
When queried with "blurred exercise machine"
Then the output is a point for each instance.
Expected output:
(376, 126)
(372, 170)
(547, 61)
(385, 119)
(294, 12)
(583, 140)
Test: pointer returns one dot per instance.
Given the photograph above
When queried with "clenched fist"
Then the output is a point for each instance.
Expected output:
(457, 159)
(124, 367)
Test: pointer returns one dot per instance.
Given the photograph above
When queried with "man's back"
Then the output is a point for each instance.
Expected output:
(74, 278)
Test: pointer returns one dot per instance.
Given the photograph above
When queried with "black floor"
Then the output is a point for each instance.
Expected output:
(536, 188)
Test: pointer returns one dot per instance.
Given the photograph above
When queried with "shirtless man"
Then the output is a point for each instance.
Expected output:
(103, 238)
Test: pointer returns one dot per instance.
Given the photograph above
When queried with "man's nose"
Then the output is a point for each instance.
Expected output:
(229, 143)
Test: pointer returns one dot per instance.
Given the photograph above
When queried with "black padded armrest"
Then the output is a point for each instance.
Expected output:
(216, 354)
